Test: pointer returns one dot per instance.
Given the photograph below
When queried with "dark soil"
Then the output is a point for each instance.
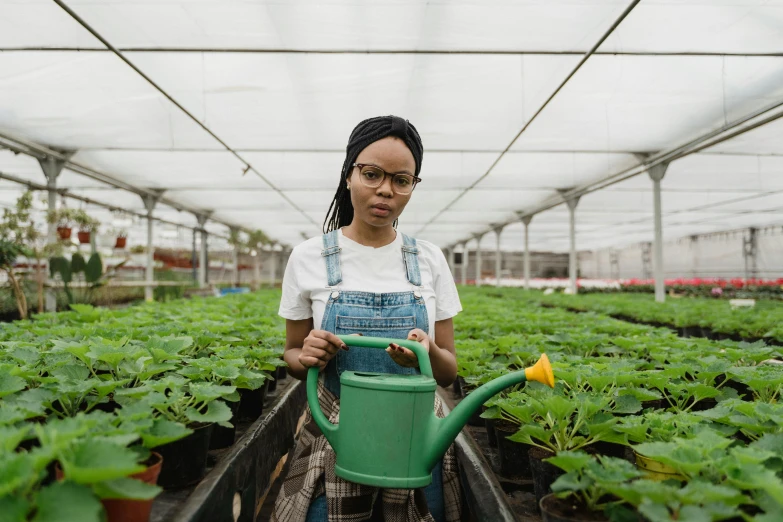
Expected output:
(569, 509)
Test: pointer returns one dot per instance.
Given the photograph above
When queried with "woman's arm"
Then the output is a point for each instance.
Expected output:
(443, 357)
(305, 347)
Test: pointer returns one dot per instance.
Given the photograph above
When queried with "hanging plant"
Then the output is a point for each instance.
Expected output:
(87, 225)
(63, 218)
(121, 237)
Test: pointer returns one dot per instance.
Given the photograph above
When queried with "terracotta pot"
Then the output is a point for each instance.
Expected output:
(84, 237)
(64, 232)
(124, 510)
(121, 242)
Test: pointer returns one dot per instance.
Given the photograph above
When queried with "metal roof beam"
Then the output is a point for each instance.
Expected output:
(543, 106)
(485, 52)
(42, 152)
(736, 128)
(70, 195)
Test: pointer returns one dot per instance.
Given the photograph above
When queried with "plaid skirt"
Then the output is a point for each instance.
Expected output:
(314, 458)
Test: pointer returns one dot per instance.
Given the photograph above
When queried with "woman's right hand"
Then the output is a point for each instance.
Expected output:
(319, 348)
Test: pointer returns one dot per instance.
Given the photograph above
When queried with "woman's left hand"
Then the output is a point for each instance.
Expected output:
(405, 357)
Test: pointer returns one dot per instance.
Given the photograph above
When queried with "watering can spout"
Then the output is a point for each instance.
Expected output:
(446, 429)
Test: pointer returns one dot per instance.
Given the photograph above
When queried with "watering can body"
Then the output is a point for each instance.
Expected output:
(388, 435)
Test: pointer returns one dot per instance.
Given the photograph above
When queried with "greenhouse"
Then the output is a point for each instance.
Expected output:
(574, 267)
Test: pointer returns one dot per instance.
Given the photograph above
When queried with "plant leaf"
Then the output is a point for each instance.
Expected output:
(126, 488)
(11, 384)
(217, 412)
(95, 460)
(67, 502)
(162, 432)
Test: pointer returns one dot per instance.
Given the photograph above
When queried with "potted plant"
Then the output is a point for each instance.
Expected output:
(121, 237)
(64, 219)
(556, 420)
(87, 225)
(582, 494)
(194, 405)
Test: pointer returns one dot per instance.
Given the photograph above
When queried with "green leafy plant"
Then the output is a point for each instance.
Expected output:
(588, 478)
(557, 421)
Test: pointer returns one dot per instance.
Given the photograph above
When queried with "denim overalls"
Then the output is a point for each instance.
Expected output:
(391, 315)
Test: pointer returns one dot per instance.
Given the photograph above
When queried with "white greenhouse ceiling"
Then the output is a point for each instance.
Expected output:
(278, 86)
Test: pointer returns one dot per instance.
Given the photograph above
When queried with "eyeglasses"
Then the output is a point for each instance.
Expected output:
(373, 176)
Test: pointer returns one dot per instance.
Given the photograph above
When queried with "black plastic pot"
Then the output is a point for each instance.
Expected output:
(185, 460)
(655, 404)
(612, 449)
(281, 373)
(705, 404)
(555, 509)
(492, 436)
(251, 402)
(271, 384)
(475, 418)
(458, 386)
(514, 459)
(224, 437)
(544, 473)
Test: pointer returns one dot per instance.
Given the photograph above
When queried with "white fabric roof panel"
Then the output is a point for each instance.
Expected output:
(680, 73)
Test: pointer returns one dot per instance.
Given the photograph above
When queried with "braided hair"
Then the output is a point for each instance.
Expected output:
(369, 131)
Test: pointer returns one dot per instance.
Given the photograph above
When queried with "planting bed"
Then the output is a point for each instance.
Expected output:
(87, 395)
(703, 414)
(691, 317)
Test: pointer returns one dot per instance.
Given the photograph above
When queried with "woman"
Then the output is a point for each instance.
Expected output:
(362, 277)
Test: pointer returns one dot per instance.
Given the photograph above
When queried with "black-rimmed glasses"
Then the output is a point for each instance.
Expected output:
(373, 176)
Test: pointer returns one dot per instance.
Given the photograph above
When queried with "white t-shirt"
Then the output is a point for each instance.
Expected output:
(366, 269)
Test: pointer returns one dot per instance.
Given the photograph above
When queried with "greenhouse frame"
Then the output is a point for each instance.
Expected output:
(570, 146)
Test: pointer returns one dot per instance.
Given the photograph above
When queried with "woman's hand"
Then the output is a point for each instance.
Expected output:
(405, 357)
(319, 348)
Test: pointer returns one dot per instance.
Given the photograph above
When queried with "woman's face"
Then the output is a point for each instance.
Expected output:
(380, 206)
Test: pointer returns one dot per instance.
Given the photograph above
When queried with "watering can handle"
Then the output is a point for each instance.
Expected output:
(383, 343)
(329, 429)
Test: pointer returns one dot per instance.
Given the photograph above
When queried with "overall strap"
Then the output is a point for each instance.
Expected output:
(410, 256)
(331, 253)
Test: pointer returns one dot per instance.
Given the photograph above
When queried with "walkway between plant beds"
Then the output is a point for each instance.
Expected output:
(685, 332)
(518, 493)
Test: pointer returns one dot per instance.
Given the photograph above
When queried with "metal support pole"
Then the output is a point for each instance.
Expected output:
(478, 260)
(194, 258)
(235, 257)
(750, 253)
(498, 259)
(526, 262)
(464, 265)
(647, 271)
(614, 264)
(205, 246)
(452, 264)
(202, 259)
(656, 174)
(572, 259)
(272, 266)
(149, 272)
(695, 251)
(257, 270)
(51, 168)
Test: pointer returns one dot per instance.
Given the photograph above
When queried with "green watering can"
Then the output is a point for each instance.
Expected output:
(389, 435)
